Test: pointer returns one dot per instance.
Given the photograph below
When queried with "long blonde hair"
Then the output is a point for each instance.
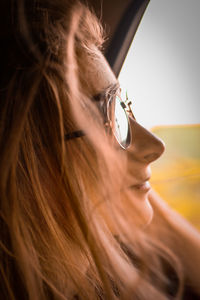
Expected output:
(65, 232)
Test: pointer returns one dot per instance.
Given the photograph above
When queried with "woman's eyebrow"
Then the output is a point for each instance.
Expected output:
(110, 90)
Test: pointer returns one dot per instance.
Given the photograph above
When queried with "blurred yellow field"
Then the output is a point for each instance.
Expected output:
(176, 176)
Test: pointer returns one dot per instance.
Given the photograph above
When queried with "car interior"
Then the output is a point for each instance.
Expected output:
(120, 26)
(181, 163)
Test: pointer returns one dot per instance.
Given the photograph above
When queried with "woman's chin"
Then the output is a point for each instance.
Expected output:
(144, 211)
(148, 213)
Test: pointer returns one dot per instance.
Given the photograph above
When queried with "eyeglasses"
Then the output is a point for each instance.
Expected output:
(116, 118)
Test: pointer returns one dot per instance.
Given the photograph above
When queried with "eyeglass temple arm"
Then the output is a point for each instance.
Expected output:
(73, 135)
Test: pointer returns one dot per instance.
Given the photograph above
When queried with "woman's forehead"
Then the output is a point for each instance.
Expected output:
(96, 73)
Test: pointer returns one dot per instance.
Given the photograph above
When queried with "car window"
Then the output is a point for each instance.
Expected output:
(162, 76)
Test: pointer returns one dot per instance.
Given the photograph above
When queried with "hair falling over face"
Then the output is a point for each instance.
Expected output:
(65, 231)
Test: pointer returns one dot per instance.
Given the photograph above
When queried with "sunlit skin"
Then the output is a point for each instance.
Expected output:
(145, 147)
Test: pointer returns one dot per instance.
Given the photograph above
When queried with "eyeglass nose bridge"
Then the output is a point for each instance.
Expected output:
(128, 108)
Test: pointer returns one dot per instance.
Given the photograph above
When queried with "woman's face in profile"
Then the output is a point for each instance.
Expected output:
(144, 148)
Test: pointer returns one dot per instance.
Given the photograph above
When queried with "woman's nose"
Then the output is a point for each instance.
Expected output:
(145, 146)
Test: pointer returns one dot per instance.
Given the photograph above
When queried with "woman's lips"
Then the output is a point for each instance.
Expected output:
(144, 186)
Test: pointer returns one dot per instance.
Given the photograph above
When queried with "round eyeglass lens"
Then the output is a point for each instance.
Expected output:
(121, 124)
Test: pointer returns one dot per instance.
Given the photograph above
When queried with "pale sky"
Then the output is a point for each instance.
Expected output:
(162, 70)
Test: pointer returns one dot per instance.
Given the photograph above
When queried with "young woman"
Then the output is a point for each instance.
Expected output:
(76, 207)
